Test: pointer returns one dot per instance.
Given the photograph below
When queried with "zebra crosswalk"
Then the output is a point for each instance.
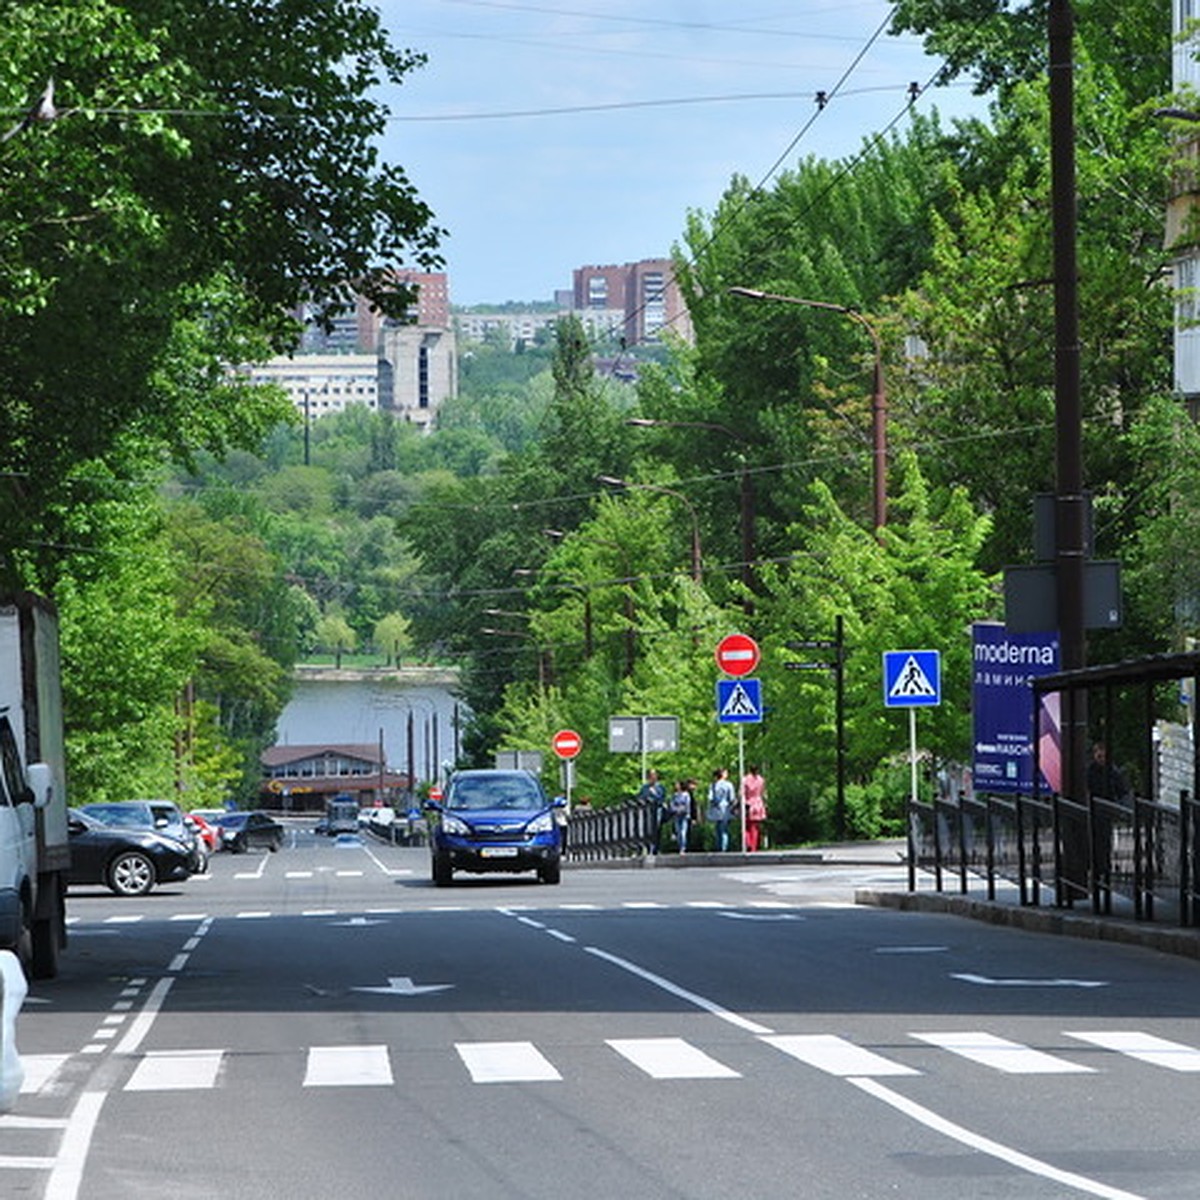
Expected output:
(657, 1058)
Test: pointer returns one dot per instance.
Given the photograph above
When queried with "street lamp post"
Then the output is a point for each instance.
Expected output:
(613, 481)
(746, 498)
(879, 392)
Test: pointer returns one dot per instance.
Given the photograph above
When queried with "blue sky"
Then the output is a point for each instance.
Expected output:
(554, 134)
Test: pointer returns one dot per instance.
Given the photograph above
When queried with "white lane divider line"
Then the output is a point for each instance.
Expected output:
(702, 1002)
(1158, 1052)
(176, 1070)
(975, 1141)
(1002, 1055)
(506, 1062)
(140, 1025)
(671, 1058)
(66, 1176)
(836, 1056)
(348, 1066)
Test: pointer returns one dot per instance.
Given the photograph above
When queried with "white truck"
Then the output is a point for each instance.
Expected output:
(35, 854)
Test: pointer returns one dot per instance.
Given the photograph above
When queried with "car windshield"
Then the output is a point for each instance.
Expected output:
(495, 791)
(123, 816)
(232, 820)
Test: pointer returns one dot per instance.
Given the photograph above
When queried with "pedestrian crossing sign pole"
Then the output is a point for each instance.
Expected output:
(912, 679)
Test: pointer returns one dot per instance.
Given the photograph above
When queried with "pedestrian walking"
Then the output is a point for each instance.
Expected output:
(754, 807)
(654, 796)
(721, 801)
(681, 814)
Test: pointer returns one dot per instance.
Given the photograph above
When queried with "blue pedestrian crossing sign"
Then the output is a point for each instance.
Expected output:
(912, 678)
(739, 701)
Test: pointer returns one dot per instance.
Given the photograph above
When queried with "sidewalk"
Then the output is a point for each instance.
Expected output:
(890, 853)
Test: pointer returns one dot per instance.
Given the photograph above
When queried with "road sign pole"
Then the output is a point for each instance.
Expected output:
(912, 753)
(741, 775)
(839, 816)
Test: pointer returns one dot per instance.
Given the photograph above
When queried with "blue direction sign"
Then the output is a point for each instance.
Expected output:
(739, 701)
(912, 678)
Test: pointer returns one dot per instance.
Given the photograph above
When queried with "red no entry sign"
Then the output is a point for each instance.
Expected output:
(737, 654)
(567, 743)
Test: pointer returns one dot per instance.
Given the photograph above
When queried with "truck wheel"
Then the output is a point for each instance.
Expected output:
(48, 936)
(131, 874)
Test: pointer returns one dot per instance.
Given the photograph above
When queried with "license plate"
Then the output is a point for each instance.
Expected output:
(498, 852)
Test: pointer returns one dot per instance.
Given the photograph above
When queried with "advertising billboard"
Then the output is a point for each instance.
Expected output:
(1003, 664)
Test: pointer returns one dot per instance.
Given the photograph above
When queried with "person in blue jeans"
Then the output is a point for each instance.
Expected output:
(681, 814)
(722, 800)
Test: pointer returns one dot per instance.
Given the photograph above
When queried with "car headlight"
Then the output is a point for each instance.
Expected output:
(455, 826)
(542, 824)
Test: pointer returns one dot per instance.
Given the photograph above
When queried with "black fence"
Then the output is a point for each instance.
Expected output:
(1144, 856)
(616, 831)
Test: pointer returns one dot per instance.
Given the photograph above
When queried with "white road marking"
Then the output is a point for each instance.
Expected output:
(506, 1062)
(130, 920)
(671, 1058)
(40, 1070)
(1002, 1055)
(911, 949)
(709, 1006)
(350, 874)
(140, 1025)
(1145, 1047)
(176, 1070)
(297, 874)
(188, 917)
(975, 1141)
(66, 1175)
(836, 1056)
(252, 915)
(987, 981)
(348, 1066)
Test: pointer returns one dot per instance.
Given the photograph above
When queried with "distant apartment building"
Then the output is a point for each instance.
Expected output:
(644, 292)
(384, 364)
(320, 384)
(529, 325)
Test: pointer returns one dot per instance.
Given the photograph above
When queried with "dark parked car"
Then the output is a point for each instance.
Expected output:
(494, 821)
(128, 861)
(162, 816)
(243, 831)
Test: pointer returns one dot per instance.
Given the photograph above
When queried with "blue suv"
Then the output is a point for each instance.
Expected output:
(495, 821)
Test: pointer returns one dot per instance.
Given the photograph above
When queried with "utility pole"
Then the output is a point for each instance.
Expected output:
(1070, 500)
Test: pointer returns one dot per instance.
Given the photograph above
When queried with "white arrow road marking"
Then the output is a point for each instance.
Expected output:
(402, 985)
(984, 981)
(741, 916)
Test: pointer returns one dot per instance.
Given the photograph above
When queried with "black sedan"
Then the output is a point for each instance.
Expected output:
(127, 861)
(243, 831)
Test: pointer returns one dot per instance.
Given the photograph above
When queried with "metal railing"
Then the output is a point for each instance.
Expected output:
(622, 830)
(1145, 858)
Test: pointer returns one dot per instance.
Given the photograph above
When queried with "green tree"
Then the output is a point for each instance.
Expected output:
(393, 636)
(335, 636)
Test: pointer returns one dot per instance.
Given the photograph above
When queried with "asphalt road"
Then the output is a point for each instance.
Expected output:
(323, 1022)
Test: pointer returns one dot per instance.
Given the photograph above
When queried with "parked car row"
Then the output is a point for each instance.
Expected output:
(130, 846)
